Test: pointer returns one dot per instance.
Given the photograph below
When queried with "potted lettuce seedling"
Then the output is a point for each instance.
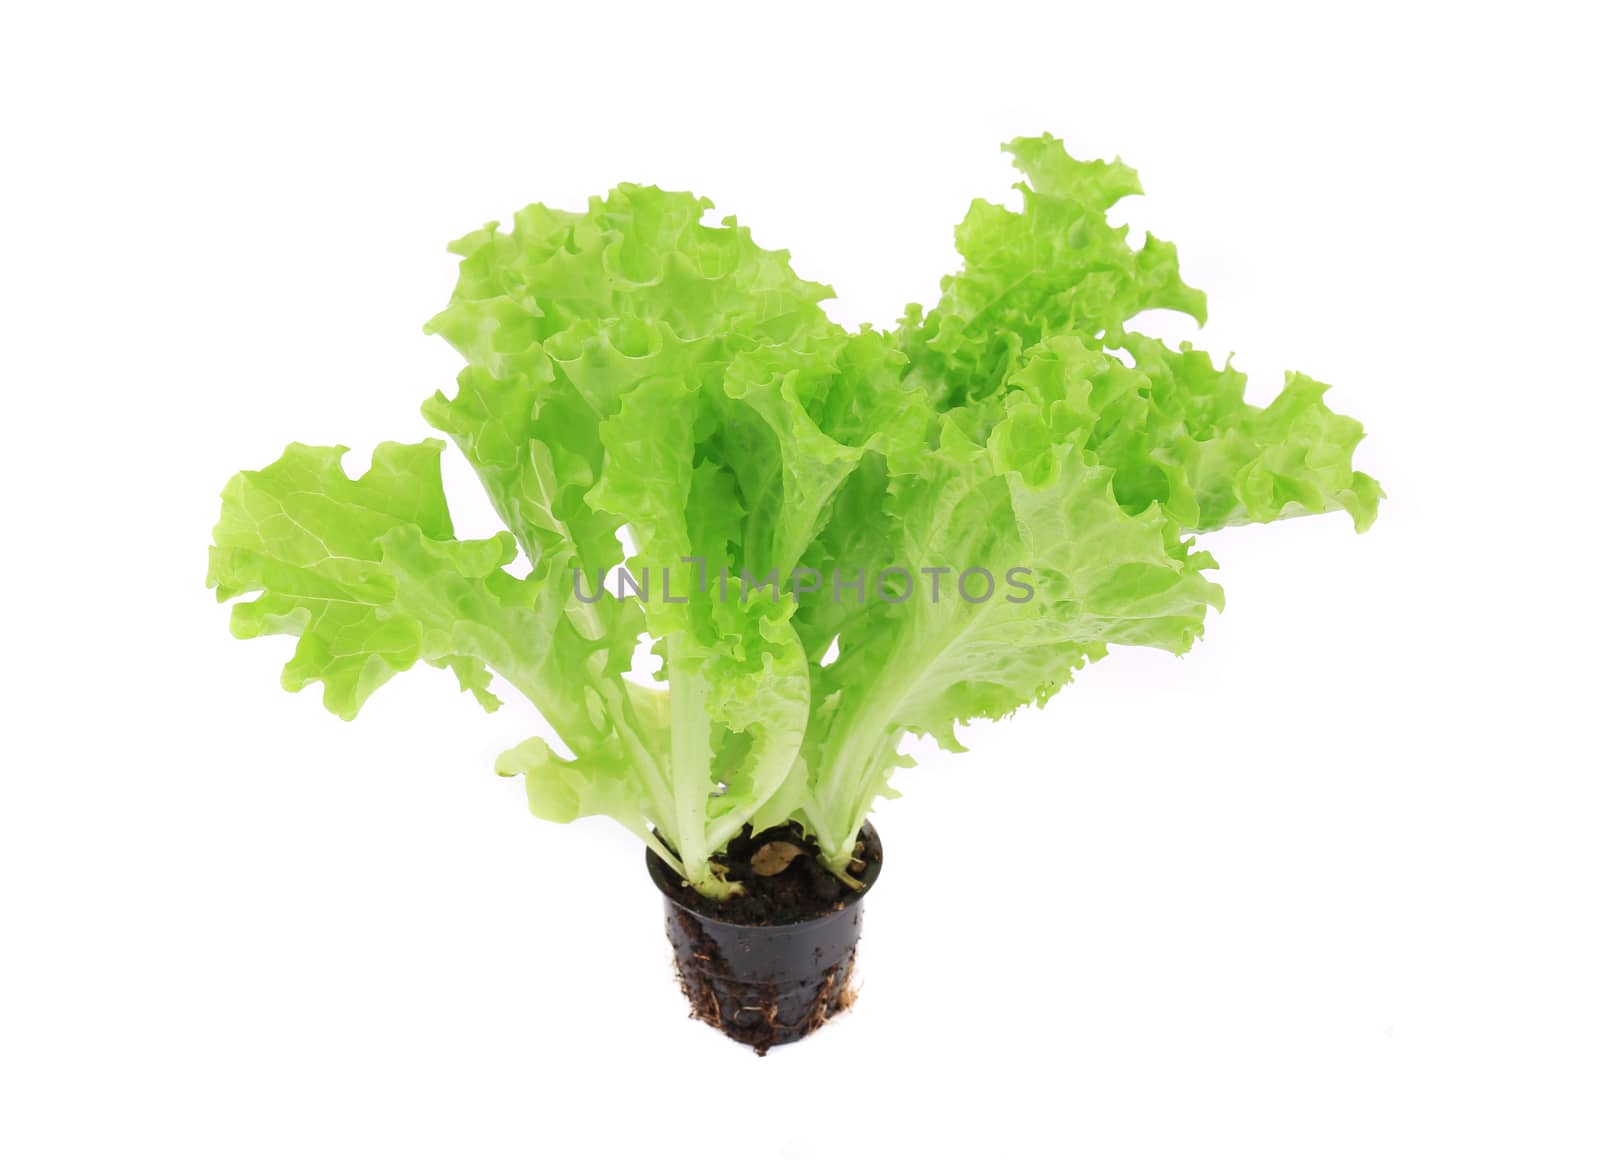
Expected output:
(831, 539)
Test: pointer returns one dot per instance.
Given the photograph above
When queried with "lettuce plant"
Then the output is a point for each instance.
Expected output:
(833, 538)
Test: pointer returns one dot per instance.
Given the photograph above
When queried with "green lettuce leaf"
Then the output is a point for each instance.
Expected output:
(651, 393)
(368, 574)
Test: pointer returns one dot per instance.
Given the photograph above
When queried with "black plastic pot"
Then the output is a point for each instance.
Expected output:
(766, 985)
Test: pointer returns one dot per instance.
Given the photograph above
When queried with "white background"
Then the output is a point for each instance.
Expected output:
(1325, 887)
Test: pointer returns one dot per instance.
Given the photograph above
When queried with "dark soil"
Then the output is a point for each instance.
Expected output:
(806, 889)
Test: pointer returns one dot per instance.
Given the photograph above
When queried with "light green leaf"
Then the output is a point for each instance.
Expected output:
(791, 490)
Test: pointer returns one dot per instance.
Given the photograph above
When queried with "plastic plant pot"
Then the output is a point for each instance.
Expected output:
(766, 985)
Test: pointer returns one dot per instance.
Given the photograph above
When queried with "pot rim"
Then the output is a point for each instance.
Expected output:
(661, 875)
